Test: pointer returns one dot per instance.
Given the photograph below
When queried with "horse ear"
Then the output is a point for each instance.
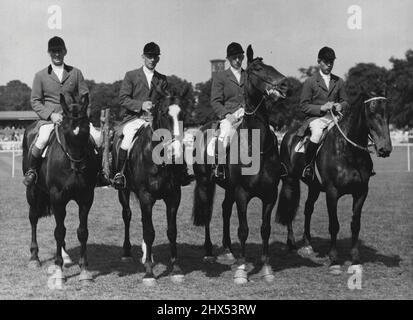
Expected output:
(84, 100)
(250, 54)
(64, 104)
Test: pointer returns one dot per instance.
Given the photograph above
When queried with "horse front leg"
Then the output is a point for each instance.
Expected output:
(333, 228)
(34, 262)
(242, 199)
(83, 234)
(172, 204)
(313, 194)
(124, 197)
(266, 270)
(146, 203)
(358, 201)
(227, 257)
(59, 211)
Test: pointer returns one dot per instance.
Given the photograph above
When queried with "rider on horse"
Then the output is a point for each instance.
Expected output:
(227, 97)
(135, 98)
(48, 84)
(322, 92)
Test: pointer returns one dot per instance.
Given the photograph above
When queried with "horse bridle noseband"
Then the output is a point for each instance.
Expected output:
(265, 94)
(343, 134)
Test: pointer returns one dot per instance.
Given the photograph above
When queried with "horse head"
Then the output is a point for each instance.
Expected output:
(75, 124)
(168, 120)
(377, 120)
(262, 82)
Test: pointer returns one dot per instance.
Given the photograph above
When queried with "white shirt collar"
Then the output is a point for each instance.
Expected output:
(148, 74)
(58, 70)
(148, 71)
(325, 76)
(237, 73)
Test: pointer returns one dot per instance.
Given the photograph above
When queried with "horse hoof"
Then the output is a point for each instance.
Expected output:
(51, 269)
(56, 280)
(240, 277)
(267, 274)
(226, 258)
(67, 261)
(335, 270)
(177, 278)
(209, 259)
(307, 251)
(34, 264)
(85, 276)
(269, 278)
(126, 259)
(355, 268)
(149, 282)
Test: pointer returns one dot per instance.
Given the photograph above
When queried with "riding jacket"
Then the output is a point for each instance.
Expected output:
(227, 95)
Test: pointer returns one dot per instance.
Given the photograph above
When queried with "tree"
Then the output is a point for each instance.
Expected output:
(400, 81)
(204, 112)
(102, 96)
(15, 96)
(286, 112)
(308, 72)
(365, 77)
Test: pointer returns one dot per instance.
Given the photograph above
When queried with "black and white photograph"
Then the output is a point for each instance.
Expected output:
(206, 155)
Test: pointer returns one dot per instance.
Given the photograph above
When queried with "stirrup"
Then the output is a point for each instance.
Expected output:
(119, 181)
(29, 179)
(308, 173)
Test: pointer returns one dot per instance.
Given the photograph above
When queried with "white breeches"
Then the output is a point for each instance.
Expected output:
(129, 131)
(317, 127)
(226, 126)
(46, 129)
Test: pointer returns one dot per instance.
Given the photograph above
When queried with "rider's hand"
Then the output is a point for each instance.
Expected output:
(231, 118)
(147, 106)
(337, 107)
(56, 118)
(327, 106)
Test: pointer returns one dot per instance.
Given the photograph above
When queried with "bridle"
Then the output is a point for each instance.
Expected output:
(71, 158)
(343, 134)
(168, 142)
(265, 94)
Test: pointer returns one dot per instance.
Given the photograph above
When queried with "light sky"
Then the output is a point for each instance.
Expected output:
(105, 38)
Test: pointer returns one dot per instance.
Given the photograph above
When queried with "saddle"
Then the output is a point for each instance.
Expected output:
(118, 136)
(301, 146)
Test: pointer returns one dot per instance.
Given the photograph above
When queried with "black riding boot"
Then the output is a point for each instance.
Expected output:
(35, 161)
(102, 177)
(119, 181)
(308, 172)
(219, 168)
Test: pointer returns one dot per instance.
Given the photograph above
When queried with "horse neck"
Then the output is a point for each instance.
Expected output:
(354, 123)
(259, 120)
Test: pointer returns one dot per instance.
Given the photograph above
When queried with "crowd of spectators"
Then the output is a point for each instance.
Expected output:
(11, 133)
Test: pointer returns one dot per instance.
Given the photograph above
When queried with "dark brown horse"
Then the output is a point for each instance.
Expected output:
(152, 179)
(344, 166)
(263, 83)
(68, 173)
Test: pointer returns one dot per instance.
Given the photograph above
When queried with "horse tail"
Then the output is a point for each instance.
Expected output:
(289, 201)
(204, 193)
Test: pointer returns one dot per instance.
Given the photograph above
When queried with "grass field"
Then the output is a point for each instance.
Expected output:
(386, 249)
